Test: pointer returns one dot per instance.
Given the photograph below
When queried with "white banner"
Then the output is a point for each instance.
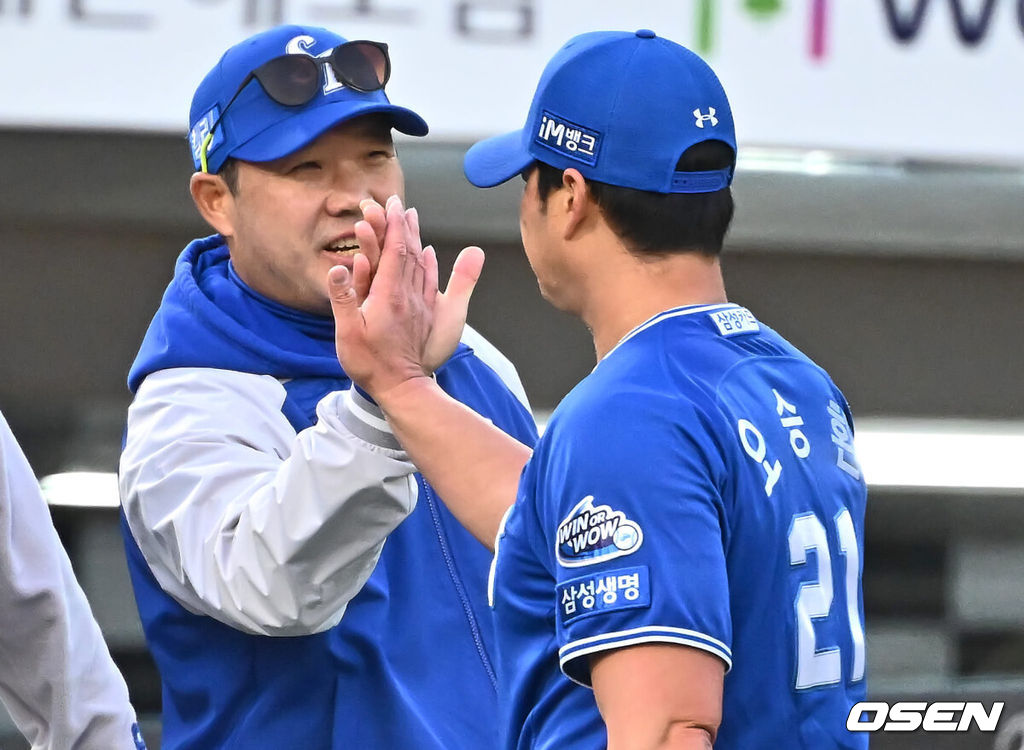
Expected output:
(922, 78)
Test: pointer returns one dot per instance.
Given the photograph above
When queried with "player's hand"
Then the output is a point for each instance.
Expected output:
(381, 342)
(452, 305)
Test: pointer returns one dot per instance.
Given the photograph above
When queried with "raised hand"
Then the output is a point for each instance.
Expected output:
(452, 305)
(381, 339)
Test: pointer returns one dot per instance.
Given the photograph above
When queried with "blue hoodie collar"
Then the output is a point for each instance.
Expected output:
(209, 317)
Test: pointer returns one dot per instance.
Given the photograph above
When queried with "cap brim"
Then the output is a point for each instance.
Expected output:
(293, 133)
(496, 160)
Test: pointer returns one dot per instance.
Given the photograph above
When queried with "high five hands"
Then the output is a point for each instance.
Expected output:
(397, 326)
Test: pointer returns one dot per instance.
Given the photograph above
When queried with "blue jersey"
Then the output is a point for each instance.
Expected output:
(698, 488)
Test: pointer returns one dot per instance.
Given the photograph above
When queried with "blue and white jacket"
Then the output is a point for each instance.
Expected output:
(298, 587)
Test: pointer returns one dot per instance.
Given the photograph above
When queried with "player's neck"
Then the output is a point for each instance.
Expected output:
(632, 291)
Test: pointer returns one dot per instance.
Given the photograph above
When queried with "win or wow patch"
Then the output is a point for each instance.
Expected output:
(604, 591)
(593, 534)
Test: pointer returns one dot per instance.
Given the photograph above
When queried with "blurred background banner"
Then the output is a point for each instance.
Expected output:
(879, 224)
(921, 78)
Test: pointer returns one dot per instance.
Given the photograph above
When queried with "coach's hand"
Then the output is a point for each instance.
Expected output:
(452, 305)
(404, 328)
(380, 343)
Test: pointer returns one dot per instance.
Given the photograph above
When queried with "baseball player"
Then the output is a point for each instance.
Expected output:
(57, 679)
(257, 490)
(682, 563)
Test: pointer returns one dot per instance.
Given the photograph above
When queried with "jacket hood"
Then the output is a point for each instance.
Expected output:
(209, 317)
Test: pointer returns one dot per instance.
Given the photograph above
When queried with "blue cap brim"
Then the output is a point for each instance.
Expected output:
(293, 133)
(496, 160)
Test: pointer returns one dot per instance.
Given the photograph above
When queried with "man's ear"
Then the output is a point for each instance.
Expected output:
(578, 202)
(215, 201)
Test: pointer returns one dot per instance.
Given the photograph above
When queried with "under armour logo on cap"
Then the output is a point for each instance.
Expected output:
(702, 118)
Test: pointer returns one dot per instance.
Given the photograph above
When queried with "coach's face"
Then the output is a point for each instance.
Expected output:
(290, 220)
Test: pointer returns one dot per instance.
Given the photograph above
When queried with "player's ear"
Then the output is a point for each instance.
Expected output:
(215, 201)
(578, 202)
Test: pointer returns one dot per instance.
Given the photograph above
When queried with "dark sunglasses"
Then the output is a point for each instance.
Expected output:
(293, 80)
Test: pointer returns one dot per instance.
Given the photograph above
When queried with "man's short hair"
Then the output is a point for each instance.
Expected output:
(229, 173)
(657, 224)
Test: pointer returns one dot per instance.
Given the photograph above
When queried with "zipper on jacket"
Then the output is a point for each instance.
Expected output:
(459, 588)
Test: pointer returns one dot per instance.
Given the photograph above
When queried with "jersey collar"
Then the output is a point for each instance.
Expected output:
(673, 312)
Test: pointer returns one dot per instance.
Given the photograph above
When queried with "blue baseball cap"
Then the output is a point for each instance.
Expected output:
(255, 127)
(621, 107)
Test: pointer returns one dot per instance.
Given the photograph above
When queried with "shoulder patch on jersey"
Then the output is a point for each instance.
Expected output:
(593, 534)
(606, 591)
(735, 320)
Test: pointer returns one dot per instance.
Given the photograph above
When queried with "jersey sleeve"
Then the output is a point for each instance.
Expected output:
(240, 518)
(633, 510)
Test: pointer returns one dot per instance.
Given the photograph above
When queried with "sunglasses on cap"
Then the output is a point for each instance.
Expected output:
(293, 80)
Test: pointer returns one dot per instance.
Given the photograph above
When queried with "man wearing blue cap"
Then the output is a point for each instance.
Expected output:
(681, 565)
(257, 487)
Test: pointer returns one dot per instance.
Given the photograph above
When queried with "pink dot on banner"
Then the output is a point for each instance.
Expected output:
(819, 28)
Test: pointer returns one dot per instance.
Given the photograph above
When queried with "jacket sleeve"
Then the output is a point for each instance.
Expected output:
(58, 680)
(242, 519)
(490, 355)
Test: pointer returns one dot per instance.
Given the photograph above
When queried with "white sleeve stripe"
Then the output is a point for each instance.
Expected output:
(565, 658)
(359, 417)
(647, 630)
(366, 411)
(494, 558)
